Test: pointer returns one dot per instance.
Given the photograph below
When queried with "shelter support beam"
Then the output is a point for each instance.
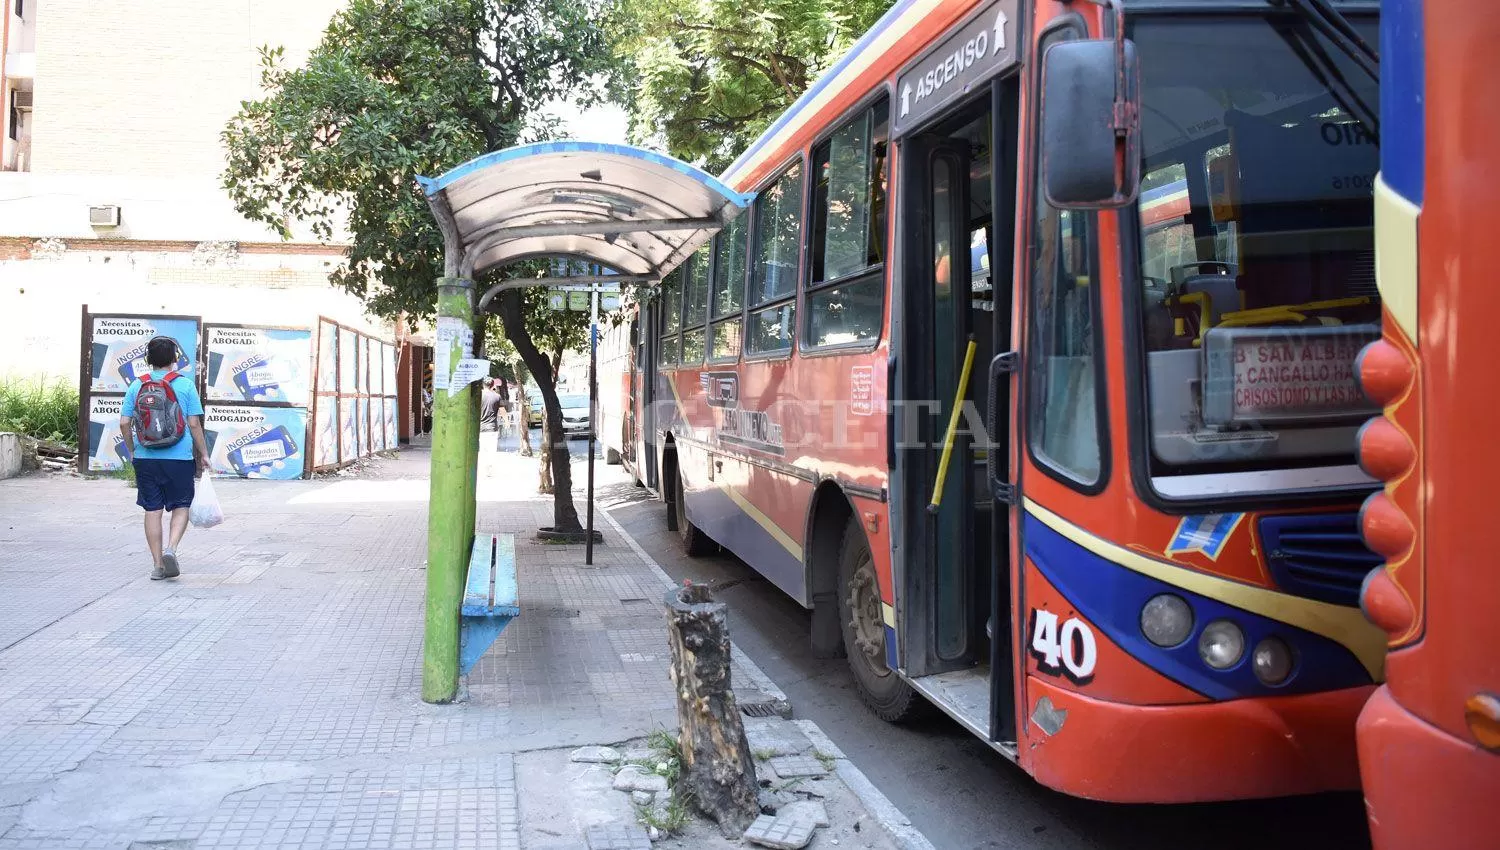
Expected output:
(450, 512)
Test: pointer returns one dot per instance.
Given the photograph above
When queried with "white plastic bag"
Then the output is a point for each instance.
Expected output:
(205, 512)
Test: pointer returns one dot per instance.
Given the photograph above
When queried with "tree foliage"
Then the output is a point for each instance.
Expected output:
(400, 88)
(396, 89)
(711, 75)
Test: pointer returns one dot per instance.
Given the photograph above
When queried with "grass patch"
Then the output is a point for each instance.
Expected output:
(764, 755)
(125, 473)
(669, 819)
(44, 410)
(825, 758)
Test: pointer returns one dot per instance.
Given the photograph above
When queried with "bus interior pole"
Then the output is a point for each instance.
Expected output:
(588, 546)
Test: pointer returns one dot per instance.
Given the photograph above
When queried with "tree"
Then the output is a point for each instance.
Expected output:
(713, 74)
(396, 89)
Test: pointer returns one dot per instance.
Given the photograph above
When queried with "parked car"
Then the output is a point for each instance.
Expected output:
(575, 411)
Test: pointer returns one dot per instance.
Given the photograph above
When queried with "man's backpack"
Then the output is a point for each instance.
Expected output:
(159, 422)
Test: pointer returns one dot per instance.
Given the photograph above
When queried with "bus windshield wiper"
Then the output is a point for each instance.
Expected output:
(1316, 14)
(1337, 29)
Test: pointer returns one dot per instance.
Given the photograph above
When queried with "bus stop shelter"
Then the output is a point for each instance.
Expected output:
(635, 212)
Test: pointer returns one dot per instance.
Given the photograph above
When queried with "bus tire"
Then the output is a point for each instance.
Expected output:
(694, 542)
(611, 457)
(863, 624)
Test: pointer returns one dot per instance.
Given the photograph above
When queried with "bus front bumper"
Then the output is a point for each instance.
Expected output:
(1423, 786)
(1200, 752)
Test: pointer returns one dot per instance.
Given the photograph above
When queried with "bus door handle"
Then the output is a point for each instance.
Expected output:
(1001, 368)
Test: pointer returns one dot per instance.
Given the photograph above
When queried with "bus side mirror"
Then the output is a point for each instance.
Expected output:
(1091, 124)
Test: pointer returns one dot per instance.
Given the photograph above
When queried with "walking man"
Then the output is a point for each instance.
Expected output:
(160, 409)
(489, 413)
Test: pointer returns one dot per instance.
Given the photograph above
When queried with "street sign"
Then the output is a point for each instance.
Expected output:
(578, 300)
(589, 287)
(973, 53)
(557, 299)
(609, 301)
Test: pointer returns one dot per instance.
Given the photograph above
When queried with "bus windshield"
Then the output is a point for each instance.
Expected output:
(1256, 252)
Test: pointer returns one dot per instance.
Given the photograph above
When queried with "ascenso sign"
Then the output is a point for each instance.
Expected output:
(984, 46)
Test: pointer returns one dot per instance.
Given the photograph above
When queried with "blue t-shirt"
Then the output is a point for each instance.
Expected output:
(187, 398)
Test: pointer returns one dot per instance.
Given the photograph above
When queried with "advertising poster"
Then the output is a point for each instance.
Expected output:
(328, 371)
(372, 366)
(348, 362)
(106, 446)
(326, 438)
(256, 442)
(377, 424)
(388, 366)
(365, 445)
(263, 365)
(118, 348)
(392, 436)
(348, 431)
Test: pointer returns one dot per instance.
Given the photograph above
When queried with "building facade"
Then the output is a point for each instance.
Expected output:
(110, 193)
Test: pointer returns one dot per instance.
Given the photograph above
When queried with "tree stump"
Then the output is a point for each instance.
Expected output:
(718, 773)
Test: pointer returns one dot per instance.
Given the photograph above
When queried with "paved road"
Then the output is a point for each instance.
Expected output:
(954, 788)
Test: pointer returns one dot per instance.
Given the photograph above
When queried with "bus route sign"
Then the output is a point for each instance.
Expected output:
(982, 47)
(1265, 375)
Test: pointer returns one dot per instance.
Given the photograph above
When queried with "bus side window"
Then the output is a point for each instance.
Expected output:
(670, 304)
(845, 290)
(695, 307)
(728, 291)
(1063, 418)
(773, 278)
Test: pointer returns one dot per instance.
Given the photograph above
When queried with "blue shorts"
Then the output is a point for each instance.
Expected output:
(164, 484)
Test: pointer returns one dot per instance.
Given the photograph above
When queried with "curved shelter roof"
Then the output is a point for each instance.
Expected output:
(634, 211)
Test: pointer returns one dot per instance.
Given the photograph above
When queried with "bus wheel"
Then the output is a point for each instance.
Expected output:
(860, 612)
(694, 541)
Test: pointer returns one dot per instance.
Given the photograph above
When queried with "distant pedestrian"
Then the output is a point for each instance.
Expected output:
(490, 413)
(161, 409)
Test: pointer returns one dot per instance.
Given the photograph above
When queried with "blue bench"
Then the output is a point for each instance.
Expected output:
(490, 600)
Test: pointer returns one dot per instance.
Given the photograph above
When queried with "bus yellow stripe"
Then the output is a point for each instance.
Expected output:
(765, 522)
(1346, 626)
(1396, 255)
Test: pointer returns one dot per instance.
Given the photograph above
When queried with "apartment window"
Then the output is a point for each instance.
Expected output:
(773, 278)
(14, 128)
(846, 284)
(728, 291)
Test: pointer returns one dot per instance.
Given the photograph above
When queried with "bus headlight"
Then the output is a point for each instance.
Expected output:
(1272, 661)
(1166, 620)
(1221, 645)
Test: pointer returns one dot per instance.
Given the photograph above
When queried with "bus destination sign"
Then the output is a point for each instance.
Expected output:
(971, 54)
(1265, 375)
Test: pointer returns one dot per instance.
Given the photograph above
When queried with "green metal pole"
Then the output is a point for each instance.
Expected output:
(450, 524)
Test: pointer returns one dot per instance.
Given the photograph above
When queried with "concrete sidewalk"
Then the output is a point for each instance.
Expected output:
(269, 697)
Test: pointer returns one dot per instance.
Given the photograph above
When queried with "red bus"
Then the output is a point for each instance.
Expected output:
(1429, 740)
(1133, 566)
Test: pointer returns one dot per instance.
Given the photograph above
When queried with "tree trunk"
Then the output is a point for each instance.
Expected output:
(718, 773)
(554, 444)
(523, 424)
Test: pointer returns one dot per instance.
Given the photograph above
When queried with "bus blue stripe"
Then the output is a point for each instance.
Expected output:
(1403, 130)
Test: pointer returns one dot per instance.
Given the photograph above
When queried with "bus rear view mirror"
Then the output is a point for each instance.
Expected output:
(1090, 124)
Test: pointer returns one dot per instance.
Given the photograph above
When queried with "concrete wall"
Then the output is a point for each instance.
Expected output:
(42, 297)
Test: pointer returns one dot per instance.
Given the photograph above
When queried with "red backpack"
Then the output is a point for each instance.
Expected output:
(159, 422)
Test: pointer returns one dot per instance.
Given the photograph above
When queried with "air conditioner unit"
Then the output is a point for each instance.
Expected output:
(104, 216)
(21, 100)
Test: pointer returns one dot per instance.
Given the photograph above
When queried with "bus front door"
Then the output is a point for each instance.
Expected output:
(952, 565)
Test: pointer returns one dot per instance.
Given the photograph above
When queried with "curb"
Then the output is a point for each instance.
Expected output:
(889, 817)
